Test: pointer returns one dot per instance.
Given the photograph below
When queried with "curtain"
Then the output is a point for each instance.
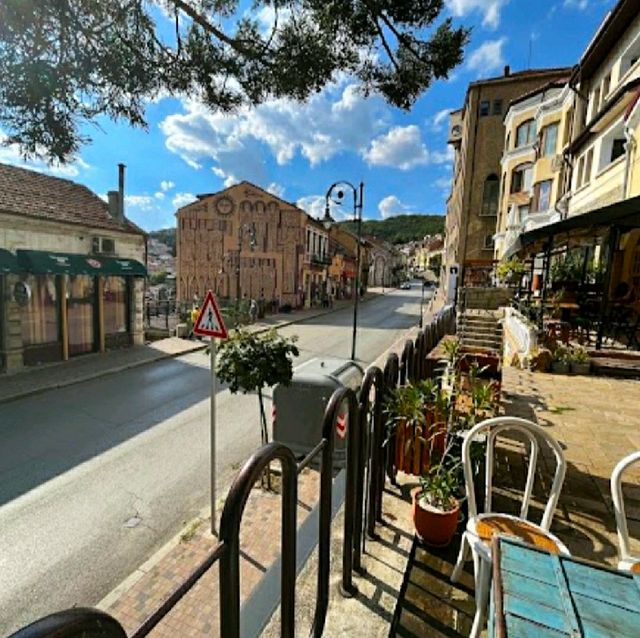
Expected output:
(115, 305)
(41, 314)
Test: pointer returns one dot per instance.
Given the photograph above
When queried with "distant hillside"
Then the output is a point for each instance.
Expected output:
(401, 229)
(167, 236)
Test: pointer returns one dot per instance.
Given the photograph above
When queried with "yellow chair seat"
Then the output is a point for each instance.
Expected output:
(487, 527)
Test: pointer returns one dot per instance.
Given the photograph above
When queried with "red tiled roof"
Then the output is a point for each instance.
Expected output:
(33, 194)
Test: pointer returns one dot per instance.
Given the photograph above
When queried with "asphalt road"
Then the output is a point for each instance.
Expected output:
(97, 476)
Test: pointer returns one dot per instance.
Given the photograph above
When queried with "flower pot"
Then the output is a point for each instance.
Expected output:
(583, 367)
(433, 526)
(560, 367)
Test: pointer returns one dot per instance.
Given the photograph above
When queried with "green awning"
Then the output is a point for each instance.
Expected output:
(8, 262)
(42, 262)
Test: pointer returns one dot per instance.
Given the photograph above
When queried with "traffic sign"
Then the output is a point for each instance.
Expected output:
(341, 426)
(209, 322)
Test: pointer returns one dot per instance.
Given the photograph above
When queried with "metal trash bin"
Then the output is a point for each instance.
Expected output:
(298, 409)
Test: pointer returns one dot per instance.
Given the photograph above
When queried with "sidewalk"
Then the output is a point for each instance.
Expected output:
(91, 366)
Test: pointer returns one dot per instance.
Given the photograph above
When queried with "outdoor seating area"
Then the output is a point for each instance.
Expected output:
(584, 504)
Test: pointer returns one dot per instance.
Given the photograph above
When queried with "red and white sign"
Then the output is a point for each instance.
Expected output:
(341, 426)
(209, 322)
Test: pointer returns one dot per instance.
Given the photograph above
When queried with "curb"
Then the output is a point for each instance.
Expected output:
(161, 357)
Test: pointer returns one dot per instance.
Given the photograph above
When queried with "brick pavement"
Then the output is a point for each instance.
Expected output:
(197, 614)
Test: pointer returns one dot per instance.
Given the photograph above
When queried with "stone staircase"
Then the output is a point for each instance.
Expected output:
(481, 330)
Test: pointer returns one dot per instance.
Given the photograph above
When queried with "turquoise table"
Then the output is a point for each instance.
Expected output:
(540, 595)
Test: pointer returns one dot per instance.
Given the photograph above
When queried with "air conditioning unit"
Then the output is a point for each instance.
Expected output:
(556, 162)
(104, 246)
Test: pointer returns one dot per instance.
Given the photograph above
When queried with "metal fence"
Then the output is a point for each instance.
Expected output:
(368, 459)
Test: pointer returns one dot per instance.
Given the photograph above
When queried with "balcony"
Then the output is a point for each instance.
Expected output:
(319, 260)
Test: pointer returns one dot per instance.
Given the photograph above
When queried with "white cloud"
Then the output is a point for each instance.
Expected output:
(336, 120)
(581, 5)
(314, 205)
(490, 10)
(488, 57)
(141, 202)
(10, 154)
(440, 119)
(182, 199)
(275, 189)
(159, 195)
(443, 157)
(166, 185)
(401, 147)
(444, 184)
(391, 206)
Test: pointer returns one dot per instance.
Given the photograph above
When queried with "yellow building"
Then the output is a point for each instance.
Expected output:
(534, 171)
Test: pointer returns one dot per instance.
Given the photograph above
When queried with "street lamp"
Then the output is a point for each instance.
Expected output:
(328, 221)
(250, 229)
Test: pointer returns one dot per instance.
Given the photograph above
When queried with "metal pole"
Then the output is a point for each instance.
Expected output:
(357, 210)
(421, 304)
(212, 350)
(238, 273)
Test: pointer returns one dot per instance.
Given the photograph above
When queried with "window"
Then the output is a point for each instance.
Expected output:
(595, 102)
(521, 178)
(523, 213)
(587, 166)
(488, 242)
(40, 314)
(526, 133)
(484, 107)
(115, 299)
(630, 56)
(617, 149)
(497, 107)
(580, 172)
(567, 126)
(490, 196)
(550, 140)
(606, 85)
(542, 195)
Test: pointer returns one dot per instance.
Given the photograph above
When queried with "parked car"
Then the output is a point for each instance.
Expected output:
(405, 285)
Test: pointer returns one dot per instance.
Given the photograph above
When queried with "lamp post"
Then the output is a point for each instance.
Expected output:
(327, 220)
(251, 231)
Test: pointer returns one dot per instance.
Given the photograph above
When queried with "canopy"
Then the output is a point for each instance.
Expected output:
(42, 262)
(624, 215)
(8, 262)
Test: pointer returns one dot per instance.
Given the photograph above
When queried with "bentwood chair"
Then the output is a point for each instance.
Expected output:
(481, 528)
(627, 562)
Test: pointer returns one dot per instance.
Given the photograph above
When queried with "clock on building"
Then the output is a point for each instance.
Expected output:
(224, 205)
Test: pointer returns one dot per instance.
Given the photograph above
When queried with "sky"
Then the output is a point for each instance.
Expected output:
(297, 150)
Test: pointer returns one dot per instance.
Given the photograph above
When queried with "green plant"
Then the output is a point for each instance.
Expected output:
(440, 486)
(579, 355)
(561, 354)
(510, 270)
(452, 350)
(250, 362)
(567, 267)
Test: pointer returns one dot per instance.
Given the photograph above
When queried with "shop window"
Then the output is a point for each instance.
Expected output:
(115, 304)
(40, 316)
(526, 133)
(550, 140)
(81, 304)
(485, 105)
(490, 196)
(521, 178)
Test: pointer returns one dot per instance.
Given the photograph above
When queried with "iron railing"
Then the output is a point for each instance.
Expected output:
(367, 453)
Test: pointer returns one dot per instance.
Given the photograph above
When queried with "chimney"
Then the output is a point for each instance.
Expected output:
(121, 168)
(507, 71)
(114, 204)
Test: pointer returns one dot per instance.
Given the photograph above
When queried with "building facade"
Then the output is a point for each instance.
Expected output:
(71, 271)
(477, 134)
(244, 242)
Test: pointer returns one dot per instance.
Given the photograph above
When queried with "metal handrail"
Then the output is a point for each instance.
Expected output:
(230, 535)
(89, 623)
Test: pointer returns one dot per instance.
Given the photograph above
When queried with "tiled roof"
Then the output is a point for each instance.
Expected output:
(32, 194)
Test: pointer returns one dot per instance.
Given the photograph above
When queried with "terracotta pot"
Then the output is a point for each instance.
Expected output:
(434, 527)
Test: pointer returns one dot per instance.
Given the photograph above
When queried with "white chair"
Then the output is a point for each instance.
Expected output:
(628, 562)
(482, 527)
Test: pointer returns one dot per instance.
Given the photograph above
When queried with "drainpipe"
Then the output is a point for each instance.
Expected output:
(121, 168)
(629, 147)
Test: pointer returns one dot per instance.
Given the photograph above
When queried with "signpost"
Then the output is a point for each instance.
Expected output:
(209, 324)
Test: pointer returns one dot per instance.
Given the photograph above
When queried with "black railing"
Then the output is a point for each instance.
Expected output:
(367, 452)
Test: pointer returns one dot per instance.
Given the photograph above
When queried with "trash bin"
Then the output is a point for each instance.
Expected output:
(298, 409)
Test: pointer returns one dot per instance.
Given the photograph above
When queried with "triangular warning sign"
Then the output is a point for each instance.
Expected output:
(209, 322)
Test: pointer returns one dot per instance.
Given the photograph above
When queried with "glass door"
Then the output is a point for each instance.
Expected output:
(81, 306)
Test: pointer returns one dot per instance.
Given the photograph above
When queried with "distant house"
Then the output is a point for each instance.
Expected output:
(71, 270)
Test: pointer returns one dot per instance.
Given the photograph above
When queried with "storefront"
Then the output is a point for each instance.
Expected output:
(8, 264)
(71, 304)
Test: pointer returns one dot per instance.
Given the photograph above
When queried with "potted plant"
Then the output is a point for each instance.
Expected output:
(580, 361)
(436, 509)
(560, 363)
(510, 271)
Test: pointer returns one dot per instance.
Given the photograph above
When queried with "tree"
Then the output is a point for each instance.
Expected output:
(250, 362)
(66, 62)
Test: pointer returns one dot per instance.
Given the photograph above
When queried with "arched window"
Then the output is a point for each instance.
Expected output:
(521, 178)
(526, 133)
(490, 195)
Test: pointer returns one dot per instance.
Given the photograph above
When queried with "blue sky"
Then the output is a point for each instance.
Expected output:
(297, 150)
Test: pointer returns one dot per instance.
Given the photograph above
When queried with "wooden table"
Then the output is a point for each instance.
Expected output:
(541, 595)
